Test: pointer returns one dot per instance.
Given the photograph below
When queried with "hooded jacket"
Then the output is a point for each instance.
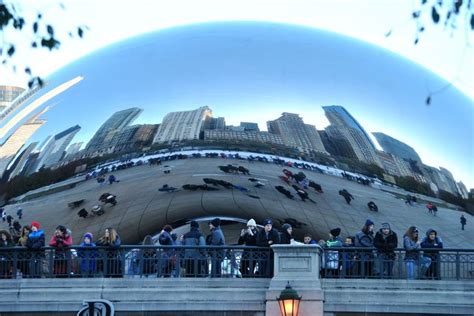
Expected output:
(427, 243)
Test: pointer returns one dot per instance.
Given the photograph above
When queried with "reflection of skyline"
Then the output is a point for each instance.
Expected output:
(256, 71)
(397, 159)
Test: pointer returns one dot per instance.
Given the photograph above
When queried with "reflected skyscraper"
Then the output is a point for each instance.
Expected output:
(183, 125)
(17, 139)
(339, 116)
(295, 133)
(8, 94)
(395, 147)
(22, 160)
(348, 128)
(115, 124)
(53, 152)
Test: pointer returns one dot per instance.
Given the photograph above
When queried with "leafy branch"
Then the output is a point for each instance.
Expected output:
(43, 36)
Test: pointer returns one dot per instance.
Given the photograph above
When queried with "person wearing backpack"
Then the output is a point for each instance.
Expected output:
(194, 260)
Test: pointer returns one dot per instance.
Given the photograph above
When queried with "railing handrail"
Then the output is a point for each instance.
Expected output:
(130, 247)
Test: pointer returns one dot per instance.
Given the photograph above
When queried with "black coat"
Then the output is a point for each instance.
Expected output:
(263, 239)
(248, 240)
(285, 238)
(386, 245)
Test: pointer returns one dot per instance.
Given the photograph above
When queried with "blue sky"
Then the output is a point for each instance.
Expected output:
(442, 53)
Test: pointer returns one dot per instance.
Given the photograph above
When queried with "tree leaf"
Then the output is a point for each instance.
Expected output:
(11, 51)
(421, 29)
(428, 100)
(388, 33)
(50, 43)
(416, 40)
(80, 32)
(423, 1)
(34, 44)
(50, 30)
(5, 16)
(434, 15)
(28, 71)
(39, 16)
(416, 14)
(35, 27)
(457, 6)
(472, 21)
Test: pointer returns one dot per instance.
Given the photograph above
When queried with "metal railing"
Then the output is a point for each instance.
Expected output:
(137, 261)
(439, 264)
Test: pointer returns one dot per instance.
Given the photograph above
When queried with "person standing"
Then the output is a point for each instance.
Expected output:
(62, 257)
(429, 206)
(365, 238)
(113, 262)
(432, 242)
(412, 253)
(194, 260)
(267, 237)
(248, 237)
(35, 241)
(166, 264)
(285, 236)
(216, 239)
(88, 255)
(332, 256)
(19, 213)
(385, 242)
(5, 256)
(463, 221)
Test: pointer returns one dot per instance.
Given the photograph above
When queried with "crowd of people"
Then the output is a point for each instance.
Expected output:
(366, 254)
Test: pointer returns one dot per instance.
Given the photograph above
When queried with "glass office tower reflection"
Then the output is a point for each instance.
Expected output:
(117, 104)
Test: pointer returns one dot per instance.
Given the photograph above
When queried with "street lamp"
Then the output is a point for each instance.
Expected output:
(289, 301)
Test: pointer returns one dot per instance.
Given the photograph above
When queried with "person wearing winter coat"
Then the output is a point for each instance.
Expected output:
(285, 236)
(412, 253)
(194, 260)
(332, 256)
(265, 238)
(463, 221)
(34, 243)
(216, 238)
(432, 242)
(166, 260)
(248, 237)
(365, 238)
(113, 263)
(89, 256)
(5, 256)
(61, 240)
(385, 242)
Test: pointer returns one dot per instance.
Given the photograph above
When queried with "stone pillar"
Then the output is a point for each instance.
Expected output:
(300, 266)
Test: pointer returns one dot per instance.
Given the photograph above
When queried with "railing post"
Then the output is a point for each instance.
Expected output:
(458, 266)
(299, 265)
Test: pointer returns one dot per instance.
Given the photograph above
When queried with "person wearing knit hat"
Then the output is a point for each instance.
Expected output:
(335, 232)
(385, 242)
(332, 256)
(365, 238)
(267, 222)
(252, 223)
(216, 222)
(36, 240)
(286, 237)
(36, 225)
(193, 261)
(61, 240)
(88, 257)
(216, 238)
(248, 237)
(368, 222)
(265, 238)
